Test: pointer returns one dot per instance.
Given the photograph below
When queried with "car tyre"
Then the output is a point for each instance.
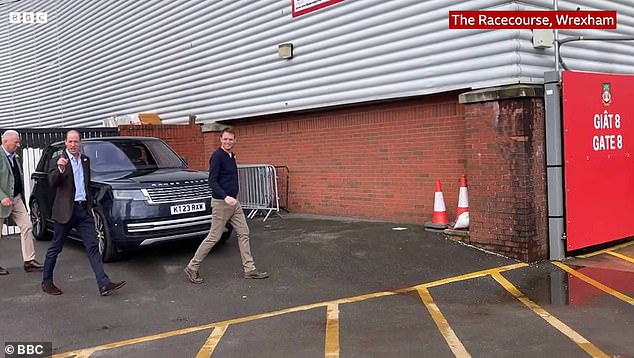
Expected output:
(107, 249)
(226, 234)
(38, 221)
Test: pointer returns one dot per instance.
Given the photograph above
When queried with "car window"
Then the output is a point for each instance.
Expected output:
(117, 155)
(106, 157)
(47, 156)
(164, 155)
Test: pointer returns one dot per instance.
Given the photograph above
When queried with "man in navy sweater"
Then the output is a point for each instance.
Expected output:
(223, 179)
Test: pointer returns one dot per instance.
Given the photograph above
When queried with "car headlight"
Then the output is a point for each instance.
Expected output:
(135, 194)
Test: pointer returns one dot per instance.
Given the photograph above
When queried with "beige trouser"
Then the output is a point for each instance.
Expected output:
(221, 214)
(20, 217)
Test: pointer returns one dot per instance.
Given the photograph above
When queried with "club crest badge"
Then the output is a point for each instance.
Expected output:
(606, 95)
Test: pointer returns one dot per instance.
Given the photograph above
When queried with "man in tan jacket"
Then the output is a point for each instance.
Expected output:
(12, 204)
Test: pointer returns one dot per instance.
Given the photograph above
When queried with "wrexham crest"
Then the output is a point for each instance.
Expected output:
(606, 95)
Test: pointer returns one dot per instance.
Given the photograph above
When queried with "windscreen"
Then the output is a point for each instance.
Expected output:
(129, 155)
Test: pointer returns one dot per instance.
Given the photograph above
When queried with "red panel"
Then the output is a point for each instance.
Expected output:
(598, 120)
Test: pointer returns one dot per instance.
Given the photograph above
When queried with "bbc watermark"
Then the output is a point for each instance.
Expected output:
(28, 17)
(28, 349)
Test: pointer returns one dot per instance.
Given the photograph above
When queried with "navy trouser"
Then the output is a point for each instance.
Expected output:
(83, 221)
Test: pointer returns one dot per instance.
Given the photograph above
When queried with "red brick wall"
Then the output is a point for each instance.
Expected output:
(186, 140)
(507, 177)
(382, 160)
(373, 161)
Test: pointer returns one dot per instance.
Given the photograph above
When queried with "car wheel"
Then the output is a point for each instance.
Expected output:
(38, 222)
(107, 249)
(226, 234)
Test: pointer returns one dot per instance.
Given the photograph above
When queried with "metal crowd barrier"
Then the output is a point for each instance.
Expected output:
(258, 189)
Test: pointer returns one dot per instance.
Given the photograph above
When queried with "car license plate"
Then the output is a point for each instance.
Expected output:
(187, 208)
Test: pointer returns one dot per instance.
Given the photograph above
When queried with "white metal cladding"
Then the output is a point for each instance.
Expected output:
(218, 59)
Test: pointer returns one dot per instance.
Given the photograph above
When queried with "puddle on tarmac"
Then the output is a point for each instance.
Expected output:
(554, 286)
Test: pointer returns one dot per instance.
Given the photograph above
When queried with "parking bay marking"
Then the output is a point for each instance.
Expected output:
(597, 284)
(606, 250)
(590, 348)
(621, 256)
(86, 352)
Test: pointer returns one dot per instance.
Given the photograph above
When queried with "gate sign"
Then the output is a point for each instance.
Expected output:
(598, 129)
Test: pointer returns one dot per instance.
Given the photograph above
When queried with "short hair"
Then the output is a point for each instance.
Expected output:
(73, 131)
(228, 130)
(10, 133)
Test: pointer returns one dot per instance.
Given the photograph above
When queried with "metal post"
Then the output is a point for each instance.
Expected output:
(554, 166)
(556, 38)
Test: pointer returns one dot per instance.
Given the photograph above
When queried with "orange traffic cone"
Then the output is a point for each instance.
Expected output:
(439, 220)
(462, 214)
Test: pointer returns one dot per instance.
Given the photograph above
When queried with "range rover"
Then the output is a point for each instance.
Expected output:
(143, 194)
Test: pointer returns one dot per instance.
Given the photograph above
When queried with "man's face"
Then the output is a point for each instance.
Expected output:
(227, 141)
(12, 143)
(72, 143)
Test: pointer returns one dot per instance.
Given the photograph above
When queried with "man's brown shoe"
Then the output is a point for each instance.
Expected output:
(51, 289)
(256, 274)
(110, 288)
(33, 265)
(192, 275)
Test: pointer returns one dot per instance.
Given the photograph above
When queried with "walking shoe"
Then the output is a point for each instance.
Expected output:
(256, 274)
(33, 265)
(51, 289)
(3, 271)
(192, 275)
(110, 288)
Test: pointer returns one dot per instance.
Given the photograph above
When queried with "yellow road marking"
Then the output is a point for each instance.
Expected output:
(590, 348)
(606, 250)
(211, 342)
(621, 256)
(307, 307)
(445, 329)
(332, 331)
(595, 283)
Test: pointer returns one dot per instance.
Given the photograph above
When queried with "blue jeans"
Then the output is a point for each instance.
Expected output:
(83, 221)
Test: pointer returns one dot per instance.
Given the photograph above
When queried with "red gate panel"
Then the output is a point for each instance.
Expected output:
(598, 131)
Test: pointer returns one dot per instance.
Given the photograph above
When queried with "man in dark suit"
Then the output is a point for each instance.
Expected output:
(69, 176)
(12, 203)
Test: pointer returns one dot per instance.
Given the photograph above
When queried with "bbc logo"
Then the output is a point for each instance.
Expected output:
(28, 18)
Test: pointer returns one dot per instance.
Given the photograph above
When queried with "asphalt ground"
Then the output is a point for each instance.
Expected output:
(337, 288)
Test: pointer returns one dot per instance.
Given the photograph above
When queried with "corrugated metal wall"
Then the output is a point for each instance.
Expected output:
(218, 59)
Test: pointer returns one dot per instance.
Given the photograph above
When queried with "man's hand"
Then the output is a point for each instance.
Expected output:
(61, 164)
(6, 202)
(231, 201)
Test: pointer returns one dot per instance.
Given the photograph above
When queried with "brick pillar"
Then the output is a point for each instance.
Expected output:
(505, 159)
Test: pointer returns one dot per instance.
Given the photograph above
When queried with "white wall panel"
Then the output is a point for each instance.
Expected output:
(218, 59)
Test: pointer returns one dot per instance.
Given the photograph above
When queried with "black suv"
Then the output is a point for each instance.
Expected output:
(144, 194)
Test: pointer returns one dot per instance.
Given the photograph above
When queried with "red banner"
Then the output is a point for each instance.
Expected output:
(598, 131)
(496, 19)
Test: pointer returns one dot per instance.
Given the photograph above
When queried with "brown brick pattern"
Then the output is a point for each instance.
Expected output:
(507, 177)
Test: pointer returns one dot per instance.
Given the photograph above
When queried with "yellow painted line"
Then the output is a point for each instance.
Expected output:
(307, 307)
(595, 283)
(621, 256)
(211, 342)
(445, 329)
(590, 348)
(332, 331)
(606, 250)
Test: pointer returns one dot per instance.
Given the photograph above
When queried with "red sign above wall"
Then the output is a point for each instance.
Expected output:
(598, 130)
(301, 7)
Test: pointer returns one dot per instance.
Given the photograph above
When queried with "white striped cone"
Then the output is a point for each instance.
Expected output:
(440, 211)
(462, 214)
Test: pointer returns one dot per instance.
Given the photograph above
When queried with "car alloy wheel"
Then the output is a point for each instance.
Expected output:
(38, 222)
